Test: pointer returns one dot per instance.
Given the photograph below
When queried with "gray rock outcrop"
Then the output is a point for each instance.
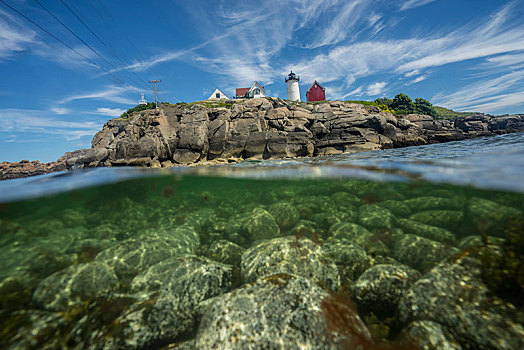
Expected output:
(265, 128)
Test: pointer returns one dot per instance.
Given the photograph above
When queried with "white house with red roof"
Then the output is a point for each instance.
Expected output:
(255, 91)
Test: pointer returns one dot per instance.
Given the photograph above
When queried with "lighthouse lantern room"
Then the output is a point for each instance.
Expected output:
(293, 92)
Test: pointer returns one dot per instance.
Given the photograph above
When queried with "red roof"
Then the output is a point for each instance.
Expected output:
(242, 91)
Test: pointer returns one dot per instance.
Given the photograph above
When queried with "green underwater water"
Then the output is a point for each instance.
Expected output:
(415, 224)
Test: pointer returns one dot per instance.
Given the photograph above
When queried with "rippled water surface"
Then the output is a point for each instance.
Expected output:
(332, 252)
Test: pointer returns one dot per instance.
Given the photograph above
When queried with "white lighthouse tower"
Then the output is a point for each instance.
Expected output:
(293, 92)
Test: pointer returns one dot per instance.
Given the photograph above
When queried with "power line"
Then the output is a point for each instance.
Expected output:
(131, 48)
(102, 41)
(68, 46)
(79, 38)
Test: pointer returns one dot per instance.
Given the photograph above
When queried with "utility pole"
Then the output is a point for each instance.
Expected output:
(155, 81)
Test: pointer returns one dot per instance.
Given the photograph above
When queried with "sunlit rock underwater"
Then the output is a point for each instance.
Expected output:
(334, 253)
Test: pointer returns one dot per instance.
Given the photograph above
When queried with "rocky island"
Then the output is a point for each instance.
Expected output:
(210, 132)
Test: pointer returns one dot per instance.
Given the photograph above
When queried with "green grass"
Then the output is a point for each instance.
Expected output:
(447, 113)
(373, 103)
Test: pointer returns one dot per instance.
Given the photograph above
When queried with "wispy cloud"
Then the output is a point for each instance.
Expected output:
(417, 80)
(13, 39)
(111, 93)
(37, 121)
(376, 88)
(487, 95)
(410, 4)
(110, 112)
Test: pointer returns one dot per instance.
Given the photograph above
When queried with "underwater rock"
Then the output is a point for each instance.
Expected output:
(433, 203)
(359, 235)
(170, 313)
(380, 288)
(418, 252)
(428, 335)
(32, 329)
(347, 230)
(226, 252)
(291, 255)
(16, 292)
(374, 216)
(431, 232)
(276, 312)
(260, 225)
(172, 273)
(74, 285)
(345, 199)
(285, 214)
(133, 255)
(398, 208)
(475, 240)
(454, 295)
(488, 217)
(447, 219)
(351, 259)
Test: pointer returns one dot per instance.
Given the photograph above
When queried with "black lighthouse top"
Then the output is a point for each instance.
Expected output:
(292, 76)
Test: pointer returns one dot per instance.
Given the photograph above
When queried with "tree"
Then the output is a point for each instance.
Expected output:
(425, 107)
(384, 101)
(403, 104)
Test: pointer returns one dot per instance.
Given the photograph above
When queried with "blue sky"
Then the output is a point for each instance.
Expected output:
(463, 54)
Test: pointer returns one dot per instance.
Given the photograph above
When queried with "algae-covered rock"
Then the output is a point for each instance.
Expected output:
(488, 217)
(431, 232)
(276, 312)
(226, 252)
(291, 255)
(380, 288)
(171, 312)
(418, 252)
(454, 295)
(260, 225)
(433, 203)
(347, 230)
(351, 259)
(133, 255)
(476, 240)
(447, 219)
(285, 214)
(32, 329)
(359, 235)
(375, 216)
(345, 199)
(398, 208)
(428, 335)
(74, 285)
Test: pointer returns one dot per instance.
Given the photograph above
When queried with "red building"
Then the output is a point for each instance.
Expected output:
(316, 92)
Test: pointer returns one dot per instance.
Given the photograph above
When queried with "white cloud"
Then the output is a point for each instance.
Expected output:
(376, 88)
(110, 93)
(492, 37)
(486, 96)
(13, 39)
(110, 112)
(505, 60)
(418, 79)
(412, 73)
(37, 121)
(499, 102)
(410, 4)
(59, 110)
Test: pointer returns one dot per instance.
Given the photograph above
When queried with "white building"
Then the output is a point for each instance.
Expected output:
(293, 92)
(142, 100)
(255, 91)
(218, 94)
